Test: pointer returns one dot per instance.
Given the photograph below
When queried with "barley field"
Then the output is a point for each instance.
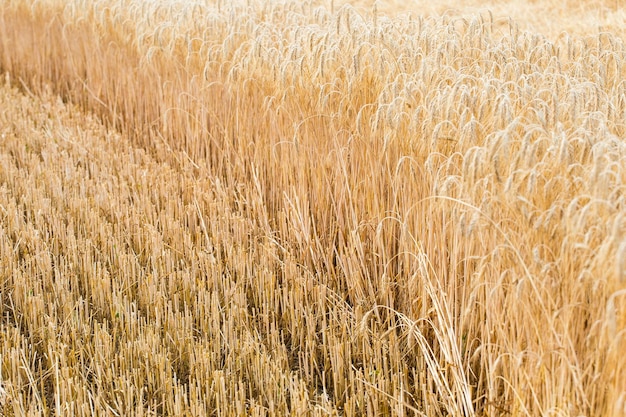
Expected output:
(287, 208)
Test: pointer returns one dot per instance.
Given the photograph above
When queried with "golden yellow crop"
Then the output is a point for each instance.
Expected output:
(293, 208)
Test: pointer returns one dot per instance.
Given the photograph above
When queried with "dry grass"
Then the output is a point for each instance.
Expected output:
(546, 17)
(277, 210)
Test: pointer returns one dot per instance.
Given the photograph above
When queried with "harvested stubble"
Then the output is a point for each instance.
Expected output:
(294, 212)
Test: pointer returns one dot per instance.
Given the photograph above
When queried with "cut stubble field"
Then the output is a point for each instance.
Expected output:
(288, 208)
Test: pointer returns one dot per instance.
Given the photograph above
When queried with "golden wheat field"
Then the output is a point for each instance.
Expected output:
(286, 208)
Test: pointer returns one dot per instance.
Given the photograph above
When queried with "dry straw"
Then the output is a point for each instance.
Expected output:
(236, 208)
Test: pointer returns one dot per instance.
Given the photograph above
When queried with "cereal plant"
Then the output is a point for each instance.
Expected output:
(308, 208)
